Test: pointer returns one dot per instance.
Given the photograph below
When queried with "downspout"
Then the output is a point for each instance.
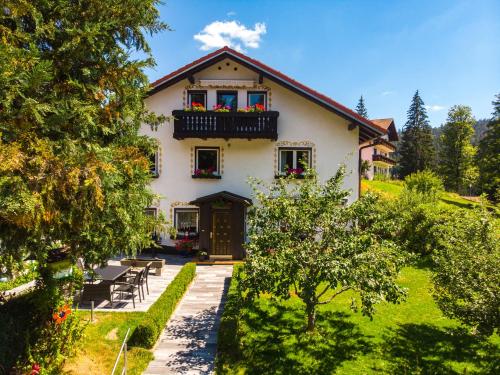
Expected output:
(374, 143)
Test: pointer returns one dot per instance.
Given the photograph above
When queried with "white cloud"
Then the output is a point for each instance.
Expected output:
(385, 93)
(434, 108)
(231, 14)
(230, 33)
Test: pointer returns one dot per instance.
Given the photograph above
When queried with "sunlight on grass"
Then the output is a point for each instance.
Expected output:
(410, 338)
(102, 341)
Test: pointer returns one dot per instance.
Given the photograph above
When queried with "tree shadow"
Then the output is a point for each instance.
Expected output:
(458, 204)
(276, 343)
(427, 349)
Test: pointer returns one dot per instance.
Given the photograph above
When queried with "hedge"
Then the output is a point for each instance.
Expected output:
(146, 333)
(227, 340)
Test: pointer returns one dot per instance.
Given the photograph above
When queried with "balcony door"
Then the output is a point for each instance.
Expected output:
(228, 98)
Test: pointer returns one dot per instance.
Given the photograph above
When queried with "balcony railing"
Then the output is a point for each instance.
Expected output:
(226, 125)
(383, 159)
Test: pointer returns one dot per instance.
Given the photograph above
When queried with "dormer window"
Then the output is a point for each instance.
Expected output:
(257, 97)
(198, 97)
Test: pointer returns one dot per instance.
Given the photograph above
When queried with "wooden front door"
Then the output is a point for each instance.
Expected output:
(221, 233)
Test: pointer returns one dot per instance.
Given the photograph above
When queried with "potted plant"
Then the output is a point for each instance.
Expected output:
(185, 245)
(196, 107)
(221, 108)
(203, 255)
(205, 173)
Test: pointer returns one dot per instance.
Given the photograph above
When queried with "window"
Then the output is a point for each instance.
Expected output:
(186, 222)
(257, 97)
(207, 162)
(293, 160)
(197, 97)
(154, 165)
(228, 98)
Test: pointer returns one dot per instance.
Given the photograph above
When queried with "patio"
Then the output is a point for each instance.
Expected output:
(157, 285)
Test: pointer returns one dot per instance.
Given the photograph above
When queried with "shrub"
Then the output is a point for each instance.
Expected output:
(425, 186)
(146, 334)
(466, 278)
(227, 340)
(380, 177)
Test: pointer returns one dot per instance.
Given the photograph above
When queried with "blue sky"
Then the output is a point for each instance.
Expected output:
(383, 50)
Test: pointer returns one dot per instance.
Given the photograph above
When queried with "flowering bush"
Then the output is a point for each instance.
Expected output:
(204, 172)
(61, 314)
(295, 171)
(184, 244)
(221, 108)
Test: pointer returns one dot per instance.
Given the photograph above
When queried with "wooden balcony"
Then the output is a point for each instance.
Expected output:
(210, 124)
(383, 159)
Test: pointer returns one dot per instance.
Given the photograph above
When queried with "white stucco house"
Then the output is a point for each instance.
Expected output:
(378, 152)
(266, 124)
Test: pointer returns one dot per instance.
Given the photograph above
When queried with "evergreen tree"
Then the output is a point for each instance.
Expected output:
(456, 152)
(416, 151)
(361, 109)
(74, 171)
(488, 156)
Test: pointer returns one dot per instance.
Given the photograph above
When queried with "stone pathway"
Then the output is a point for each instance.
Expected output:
(188, 343)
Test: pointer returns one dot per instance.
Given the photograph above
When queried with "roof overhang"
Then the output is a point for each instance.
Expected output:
(367, 129)
(224, 195)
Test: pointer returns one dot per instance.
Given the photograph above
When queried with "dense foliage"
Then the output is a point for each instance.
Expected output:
(456, 152)
(73, 168)
(304, 240)
(146, 333)
(39, 328)
(416, 147)
(424, 186)
(466, 278)
(488, 156)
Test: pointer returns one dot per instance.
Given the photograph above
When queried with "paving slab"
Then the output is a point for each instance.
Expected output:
(188, 343)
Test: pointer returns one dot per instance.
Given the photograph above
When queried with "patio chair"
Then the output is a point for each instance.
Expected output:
(144, 279)
(101, 290)
(129, 287)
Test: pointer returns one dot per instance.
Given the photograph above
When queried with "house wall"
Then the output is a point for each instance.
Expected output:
(301, 122)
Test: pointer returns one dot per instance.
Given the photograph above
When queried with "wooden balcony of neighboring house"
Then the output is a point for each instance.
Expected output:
(383, 160)
(384, 145)
(227, 125)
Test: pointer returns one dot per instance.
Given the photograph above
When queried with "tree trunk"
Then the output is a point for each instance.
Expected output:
(311, 317)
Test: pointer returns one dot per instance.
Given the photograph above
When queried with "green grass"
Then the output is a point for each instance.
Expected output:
(391, 189)
(102, 341)
(411, 338)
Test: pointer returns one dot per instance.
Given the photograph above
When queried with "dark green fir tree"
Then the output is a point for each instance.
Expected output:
(361, 108)
(488, 156)
(417, 151)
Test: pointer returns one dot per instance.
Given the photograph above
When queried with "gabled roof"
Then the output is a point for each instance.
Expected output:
(226, 195)
(368, 129)
(389, 126)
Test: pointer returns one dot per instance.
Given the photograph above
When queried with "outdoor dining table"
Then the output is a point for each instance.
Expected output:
(111, 273)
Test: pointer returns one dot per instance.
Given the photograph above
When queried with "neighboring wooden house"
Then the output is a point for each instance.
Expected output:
(265, 126)
(378, 155)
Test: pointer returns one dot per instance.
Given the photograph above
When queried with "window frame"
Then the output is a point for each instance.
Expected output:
(177, 210)
(294, 149)
(225, 92)
(198, 148)
(204, 92)
(257, 92)
(156, 162)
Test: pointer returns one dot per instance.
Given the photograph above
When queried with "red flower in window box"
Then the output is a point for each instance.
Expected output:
(221, 108)
(294, 171)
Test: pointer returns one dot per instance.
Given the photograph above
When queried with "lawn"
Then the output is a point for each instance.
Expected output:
(391, 189)
(98, 349)
(411, 338)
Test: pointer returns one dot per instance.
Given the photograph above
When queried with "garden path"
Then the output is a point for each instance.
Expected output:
(188, 343)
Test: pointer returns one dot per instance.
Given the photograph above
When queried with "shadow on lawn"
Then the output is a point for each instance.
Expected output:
(426, 349)
(277, 343)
